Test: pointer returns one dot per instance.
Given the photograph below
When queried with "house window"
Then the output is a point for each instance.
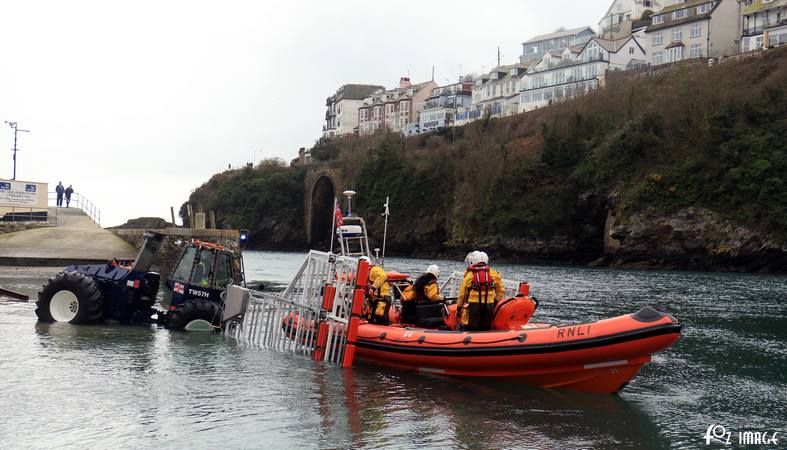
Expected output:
(658, 58)
(658, 38)
(592, 52)
(658, 19)
(696, 30)
(703, 8)
(677, 34)
(696, 51)
(675, 54)
(631, 50)
(679, 14)
(648, 3)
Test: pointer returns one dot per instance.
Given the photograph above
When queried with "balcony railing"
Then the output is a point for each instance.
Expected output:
(751, 31)
(562, 64)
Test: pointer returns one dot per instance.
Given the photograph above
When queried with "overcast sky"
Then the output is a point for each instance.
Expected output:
(138, 103)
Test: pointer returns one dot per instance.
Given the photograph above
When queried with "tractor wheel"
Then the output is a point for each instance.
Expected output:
(70, 297)
(195, 315)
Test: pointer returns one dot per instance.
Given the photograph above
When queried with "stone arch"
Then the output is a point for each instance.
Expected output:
(321, 209)
(317, 175)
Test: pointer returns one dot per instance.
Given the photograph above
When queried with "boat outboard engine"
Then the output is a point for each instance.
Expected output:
(514, 312)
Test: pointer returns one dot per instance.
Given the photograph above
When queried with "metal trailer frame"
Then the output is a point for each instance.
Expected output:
(314, 316)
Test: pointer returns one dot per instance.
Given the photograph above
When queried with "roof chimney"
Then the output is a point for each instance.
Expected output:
(404, 82)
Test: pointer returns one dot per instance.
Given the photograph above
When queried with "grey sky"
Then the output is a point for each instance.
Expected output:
(138, 103)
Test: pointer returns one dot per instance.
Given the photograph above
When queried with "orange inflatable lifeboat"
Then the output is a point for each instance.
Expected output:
(600, 356)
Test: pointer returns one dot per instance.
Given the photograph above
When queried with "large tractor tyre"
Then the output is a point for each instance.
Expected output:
(195, 314)
(70, 297)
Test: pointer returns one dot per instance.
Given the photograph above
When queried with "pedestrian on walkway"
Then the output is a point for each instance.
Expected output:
(59, 191)
(69, 191)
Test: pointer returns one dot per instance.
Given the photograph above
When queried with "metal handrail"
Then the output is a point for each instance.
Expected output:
(79, 201)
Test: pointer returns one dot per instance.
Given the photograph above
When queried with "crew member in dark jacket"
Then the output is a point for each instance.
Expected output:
(426, 289)
(59, 191)
(425, 310)
(69, 191)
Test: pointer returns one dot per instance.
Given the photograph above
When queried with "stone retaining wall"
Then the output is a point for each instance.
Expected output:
(10, 227)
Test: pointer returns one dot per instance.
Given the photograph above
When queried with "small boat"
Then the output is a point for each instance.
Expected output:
(601, 356)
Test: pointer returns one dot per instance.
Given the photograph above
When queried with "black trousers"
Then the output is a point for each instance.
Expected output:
(59, 199)
(480, 317)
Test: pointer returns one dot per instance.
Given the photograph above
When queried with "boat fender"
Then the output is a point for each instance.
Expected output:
(522, 337)
(468, 340)
(421, 339)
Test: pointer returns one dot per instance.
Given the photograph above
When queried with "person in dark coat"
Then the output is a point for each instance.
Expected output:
(69, 190)
(59, 191)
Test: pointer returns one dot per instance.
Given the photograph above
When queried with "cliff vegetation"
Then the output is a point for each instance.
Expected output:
(683, 167)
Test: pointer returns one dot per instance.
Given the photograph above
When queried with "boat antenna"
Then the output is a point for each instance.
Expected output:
(386, 213)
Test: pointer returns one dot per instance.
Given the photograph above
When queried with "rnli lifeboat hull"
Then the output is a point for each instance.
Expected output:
(598, 357)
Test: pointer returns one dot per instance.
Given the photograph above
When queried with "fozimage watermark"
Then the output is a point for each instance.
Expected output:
(719, 434)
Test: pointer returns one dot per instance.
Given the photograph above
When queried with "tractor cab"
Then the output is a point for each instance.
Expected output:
(204, 271)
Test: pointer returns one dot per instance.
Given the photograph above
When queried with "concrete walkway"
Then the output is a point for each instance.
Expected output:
(75, 239)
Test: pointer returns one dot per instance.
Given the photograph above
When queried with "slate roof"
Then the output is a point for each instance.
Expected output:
(612, 45)
(356, 91)
(688, 4)
(557, 34)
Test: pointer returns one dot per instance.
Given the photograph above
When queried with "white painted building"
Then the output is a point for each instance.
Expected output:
(534, 48)
(439, 109)
(621, 15)
(496, 93)
(693, 29)
(342, 114)
(576, 71)
(764, 23)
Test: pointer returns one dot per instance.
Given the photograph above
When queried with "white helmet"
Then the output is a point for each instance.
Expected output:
(476, 257)
(484, 257)
(365, 258)
(434, 270)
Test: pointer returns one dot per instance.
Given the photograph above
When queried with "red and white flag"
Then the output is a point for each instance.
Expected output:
(339, 218)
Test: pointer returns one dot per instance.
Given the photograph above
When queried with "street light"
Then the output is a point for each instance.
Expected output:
(13, 125)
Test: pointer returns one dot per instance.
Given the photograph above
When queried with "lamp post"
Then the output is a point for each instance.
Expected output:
(16, 130)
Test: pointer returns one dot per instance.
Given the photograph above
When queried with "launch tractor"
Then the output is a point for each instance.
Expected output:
(126, 291)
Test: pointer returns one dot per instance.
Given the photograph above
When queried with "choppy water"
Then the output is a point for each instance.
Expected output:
(142, 387)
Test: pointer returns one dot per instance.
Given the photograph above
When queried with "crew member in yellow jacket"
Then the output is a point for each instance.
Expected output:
(424, 291)
(380, 296)
(481, 288)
